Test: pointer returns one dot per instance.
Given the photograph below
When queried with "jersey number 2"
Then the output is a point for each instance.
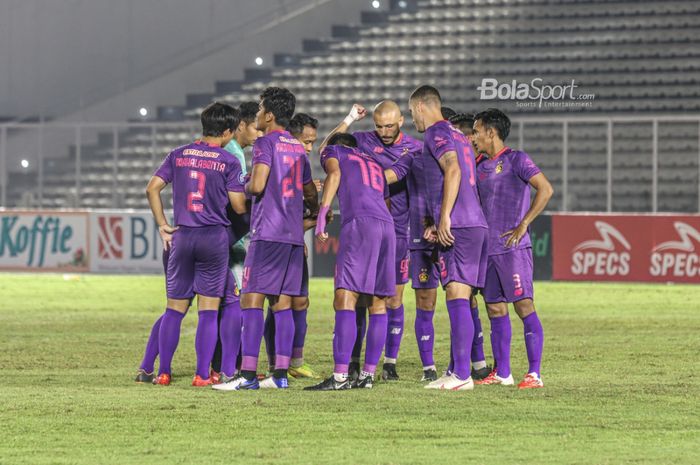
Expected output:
(293, 178)
(198, 195)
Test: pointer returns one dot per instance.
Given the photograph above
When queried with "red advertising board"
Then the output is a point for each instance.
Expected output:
(656, 248)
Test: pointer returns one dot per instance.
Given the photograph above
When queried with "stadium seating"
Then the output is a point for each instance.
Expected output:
(637, 57)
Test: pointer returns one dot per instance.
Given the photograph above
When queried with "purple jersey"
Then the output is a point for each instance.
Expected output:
(386, 155)
(505, 195)
(363, 189)
(201, 175)
(277, 213)
(441, 138)
(410, 168)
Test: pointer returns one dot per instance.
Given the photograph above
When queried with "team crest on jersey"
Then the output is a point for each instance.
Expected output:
(241, 178)
(423, 276)
(404, 151)
(499, 167)
(378, 149)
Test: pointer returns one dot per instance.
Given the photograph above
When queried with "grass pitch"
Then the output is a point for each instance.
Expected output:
(620, 370)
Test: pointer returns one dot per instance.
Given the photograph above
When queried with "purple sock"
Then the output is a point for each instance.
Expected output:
(425, 336)
(151, 352)
(534, 341)
(251, 335)
(299, 333)
(269, 335)
(168, 338)
(394, 332)
(205, 341)
(361, 322)
(462, 331)
(478, 342)
(230, 331)
(376, 338)
(500, 344)
(284, 337)
(343, 339)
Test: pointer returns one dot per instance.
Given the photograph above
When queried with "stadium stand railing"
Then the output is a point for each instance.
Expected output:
(620, 164)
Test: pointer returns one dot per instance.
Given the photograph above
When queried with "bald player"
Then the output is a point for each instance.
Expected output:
(386, 144)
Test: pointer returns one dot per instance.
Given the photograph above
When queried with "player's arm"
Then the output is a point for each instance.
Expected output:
(357, 112)
(450, 188)
(399, 169)
(238, 202)
(258, 179)
(544, 192)
(311, 197)
(330, 189)
(309, 223)
(153, 190)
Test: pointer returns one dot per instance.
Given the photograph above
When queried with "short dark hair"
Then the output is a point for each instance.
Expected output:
(217, 118)
(280, 102)
(496, 119)
(248, 111)
(462, 119)
(447, 112)
(342, 138)
(425, 93)
(297, 123)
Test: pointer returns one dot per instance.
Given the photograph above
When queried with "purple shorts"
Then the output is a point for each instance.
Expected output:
(273, 268)
(401, 260)
(509, 277)
(465, 262)
(425, 273)
(198, 262)
(365, 259)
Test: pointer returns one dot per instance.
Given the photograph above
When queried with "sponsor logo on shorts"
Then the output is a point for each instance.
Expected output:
(677, 258)
(443, 268)
(423, 276)
(110, 237)
(609, 256)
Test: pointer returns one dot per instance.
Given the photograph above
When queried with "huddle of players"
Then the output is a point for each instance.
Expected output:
(456, 237)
